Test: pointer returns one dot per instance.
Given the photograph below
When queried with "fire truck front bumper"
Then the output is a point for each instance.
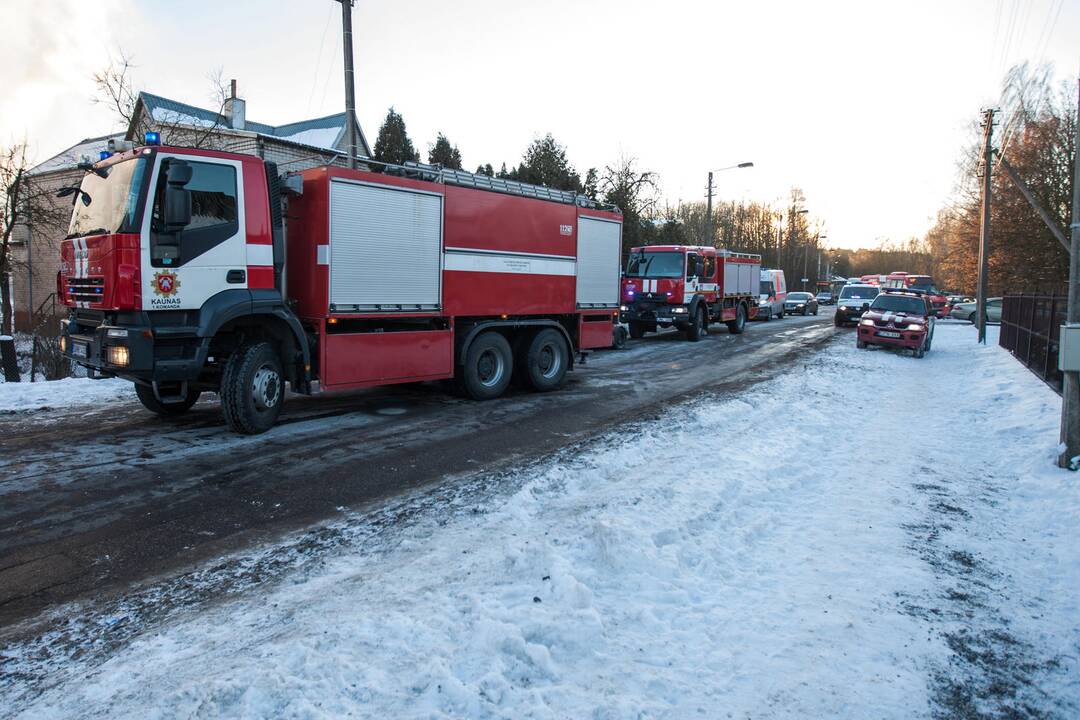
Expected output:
(131, 352)
(660, 314)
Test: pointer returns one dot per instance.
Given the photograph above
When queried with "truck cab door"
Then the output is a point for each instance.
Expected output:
(209, 254)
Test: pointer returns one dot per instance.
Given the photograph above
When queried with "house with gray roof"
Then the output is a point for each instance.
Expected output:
(293, 146)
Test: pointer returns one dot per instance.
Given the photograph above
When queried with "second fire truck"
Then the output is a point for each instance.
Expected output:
(689, 287)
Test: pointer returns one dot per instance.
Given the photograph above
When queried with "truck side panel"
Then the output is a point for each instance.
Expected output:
(373, 358)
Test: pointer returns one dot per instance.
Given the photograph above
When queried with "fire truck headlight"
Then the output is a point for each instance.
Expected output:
(119, 356)
(866, 321)
(916, 326)
(63, 343)
(678, 310)
(117, 332)
(623, 308)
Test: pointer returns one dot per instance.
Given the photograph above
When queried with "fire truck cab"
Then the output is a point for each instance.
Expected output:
(922, 283)
(688, 287)
(185, 274)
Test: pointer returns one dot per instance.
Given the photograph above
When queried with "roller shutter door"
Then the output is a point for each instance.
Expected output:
(598, 251)
(385, 248)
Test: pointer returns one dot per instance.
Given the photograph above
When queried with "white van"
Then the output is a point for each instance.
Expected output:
(772, 294)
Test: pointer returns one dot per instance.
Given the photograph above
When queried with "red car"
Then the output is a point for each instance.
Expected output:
(898, 318)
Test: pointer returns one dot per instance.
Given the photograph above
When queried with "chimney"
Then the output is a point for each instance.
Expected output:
(235, 109)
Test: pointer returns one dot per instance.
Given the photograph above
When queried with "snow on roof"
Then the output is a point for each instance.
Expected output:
(321, 132)
(67, 159)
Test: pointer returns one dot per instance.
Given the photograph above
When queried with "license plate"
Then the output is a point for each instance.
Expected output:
(886, 333)
(79, 349)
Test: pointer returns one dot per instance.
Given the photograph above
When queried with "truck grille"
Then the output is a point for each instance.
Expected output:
(88, 290)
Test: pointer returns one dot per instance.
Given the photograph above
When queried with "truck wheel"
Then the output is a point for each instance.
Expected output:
(637, 330)
(546, 360)
(618, 340)
(780, 315)
(488, 367)
(918, 352)
(698, 329)
(146, 396)
(737, 325)
(971, 318)
(252, 389)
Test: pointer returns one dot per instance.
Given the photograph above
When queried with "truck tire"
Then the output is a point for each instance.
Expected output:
(618, 339)
(488, 367)
(546, 360)
(780, 315)
(637, 330)
(252, 389)
(146, 396)
(698, 327)
(737, 325)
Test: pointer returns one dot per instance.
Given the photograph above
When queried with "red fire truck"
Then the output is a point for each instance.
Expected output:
(923, 283)
(190, 271)
(689, 287)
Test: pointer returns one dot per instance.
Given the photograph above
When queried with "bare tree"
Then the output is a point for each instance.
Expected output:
(116, 90)
(22, 202)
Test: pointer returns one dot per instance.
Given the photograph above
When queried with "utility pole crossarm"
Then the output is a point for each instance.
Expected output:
(1033, 201)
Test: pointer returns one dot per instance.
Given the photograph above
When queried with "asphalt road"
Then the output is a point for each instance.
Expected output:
(92, 501)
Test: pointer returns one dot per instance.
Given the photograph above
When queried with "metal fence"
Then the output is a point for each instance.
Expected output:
(1030, 325)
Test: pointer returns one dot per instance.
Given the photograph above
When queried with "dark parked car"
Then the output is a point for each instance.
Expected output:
(800, 303)
(825, 298)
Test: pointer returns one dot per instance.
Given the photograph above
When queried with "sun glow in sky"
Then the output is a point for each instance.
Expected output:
(864, 105)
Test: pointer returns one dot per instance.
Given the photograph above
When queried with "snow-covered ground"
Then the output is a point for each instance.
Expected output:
(868, 535)
(25, 397)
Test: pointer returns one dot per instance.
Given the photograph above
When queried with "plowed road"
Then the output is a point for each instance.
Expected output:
(91, 501)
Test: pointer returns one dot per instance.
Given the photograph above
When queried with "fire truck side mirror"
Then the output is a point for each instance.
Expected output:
(177, 197)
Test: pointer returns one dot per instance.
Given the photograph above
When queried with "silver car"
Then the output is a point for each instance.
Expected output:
(968, 311)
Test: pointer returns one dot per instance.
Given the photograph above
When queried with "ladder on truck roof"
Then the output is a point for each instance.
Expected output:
(464, 178)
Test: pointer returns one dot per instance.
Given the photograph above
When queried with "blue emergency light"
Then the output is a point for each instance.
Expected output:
(152, 138)
(104, 155)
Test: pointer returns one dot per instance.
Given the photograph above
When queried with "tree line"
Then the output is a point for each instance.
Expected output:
(780, 233)
(1037, 136)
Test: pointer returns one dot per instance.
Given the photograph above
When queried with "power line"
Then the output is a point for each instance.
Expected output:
(318, 58)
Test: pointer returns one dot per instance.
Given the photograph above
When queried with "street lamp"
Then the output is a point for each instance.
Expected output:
(708, 206)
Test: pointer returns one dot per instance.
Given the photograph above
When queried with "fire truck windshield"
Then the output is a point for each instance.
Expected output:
(114, 200)
(655, 265)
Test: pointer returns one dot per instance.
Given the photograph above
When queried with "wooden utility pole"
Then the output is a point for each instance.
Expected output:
(708, 212)
(984, 228)
(350, 91)
(1070, 386)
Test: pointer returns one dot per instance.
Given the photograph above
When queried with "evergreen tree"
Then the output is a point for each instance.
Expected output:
(592, 184)
(545, 164)
(503, 173)
(393, 144)
(485, 170)
(442, 153)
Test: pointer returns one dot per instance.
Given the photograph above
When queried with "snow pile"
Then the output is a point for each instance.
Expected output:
(22, 397)
(730, 558)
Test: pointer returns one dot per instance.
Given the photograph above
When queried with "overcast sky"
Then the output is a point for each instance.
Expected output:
(865, 105)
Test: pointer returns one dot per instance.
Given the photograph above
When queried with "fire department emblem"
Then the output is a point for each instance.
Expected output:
(166, 283)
